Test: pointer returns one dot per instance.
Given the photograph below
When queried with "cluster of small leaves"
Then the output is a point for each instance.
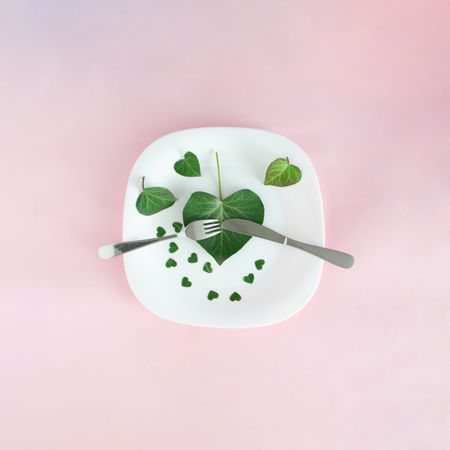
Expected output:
(207, 267)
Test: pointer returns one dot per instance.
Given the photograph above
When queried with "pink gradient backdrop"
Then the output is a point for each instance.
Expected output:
(362, 86)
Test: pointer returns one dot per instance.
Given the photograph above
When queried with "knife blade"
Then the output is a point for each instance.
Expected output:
(253, 229)
(250, 228)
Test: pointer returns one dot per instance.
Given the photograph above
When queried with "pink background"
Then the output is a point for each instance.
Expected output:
(362, 86)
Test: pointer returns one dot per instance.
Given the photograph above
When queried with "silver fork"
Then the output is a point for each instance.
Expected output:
(198, 230)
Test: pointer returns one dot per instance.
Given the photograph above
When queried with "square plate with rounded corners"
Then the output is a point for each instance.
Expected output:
(289, 277)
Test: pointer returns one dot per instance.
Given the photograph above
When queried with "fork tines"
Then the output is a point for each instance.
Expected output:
(211, 227)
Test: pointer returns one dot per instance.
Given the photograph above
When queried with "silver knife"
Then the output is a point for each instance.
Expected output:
(255, 229)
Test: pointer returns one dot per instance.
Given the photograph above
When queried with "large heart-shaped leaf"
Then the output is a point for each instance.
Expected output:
(243, 204)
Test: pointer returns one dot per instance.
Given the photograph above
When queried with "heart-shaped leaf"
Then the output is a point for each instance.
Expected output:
(188, 166)
(173, 247)
(154, 199)
(212, 295)
(193, 258)
(160, 232)
(281, 173)
(249, 278)
(207, 267)
(235, 297)
(185, 282)
(259, 263)
(177, 226)
(171, 263)
(243, 204)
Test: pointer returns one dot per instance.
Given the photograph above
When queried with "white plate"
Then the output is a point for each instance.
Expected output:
(288, 279)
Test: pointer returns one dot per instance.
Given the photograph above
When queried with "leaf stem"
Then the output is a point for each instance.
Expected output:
(219, 180)
(143, 186)
(287, 159)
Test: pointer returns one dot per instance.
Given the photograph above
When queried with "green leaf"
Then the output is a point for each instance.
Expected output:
(281, 173)
(160, 232)
(259, 263)
(193, 258)
(177, 226)
(212, 295)
(173, 247)
(188, 166)
(185, 282)
(249, 278)
(207, 267)
(154, 199)
(171, 263)
(235, 297)
(243, 204)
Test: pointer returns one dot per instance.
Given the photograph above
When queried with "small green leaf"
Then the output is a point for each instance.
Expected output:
(259, 264)
(193, 258)
(154, 199)
(160, 232)
(185, 282)
(235, 297)
(177, 226)
(188, 166)
(281, 173)
(207, 267)
(171, 263)
(212, 295)
(249, 278)
(173, 247)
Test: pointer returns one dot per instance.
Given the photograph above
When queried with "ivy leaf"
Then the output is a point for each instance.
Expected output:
(259, 263)
(188, 166)
(154, 199)
(249, 278)
(243, 204)
(212, 295)
(177, 226)
(281, 173)
(235, 297)
(160, 232)
(207, 267)
(171, 263)
(193, 258)
(186, 282)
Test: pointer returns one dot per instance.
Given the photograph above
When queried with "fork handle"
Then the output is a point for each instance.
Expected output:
(111, 250)
(336, 257)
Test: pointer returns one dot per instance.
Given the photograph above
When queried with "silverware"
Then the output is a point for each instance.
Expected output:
(254, 229)
(198, 230)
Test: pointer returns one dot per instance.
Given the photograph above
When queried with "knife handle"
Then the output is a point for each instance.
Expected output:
(336, 257)
(111, 250)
